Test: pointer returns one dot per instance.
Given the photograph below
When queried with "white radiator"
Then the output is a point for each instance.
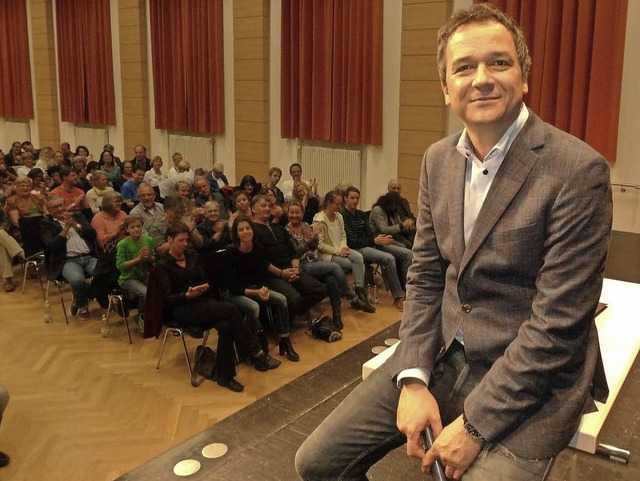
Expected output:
(330, 166)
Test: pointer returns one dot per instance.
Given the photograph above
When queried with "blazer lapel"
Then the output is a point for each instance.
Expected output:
(509, 179)
(455, 179)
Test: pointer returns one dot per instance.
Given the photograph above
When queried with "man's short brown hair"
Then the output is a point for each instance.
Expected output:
(482, 13)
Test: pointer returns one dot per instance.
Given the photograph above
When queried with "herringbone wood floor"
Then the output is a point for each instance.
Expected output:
(84, 408)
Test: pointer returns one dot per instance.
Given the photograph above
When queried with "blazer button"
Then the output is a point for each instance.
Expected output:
(466, 307)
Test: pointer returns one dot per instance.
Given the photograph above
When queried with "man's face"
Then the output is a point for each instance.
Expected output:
(146, 196)
(138, 175)
(57, 209)
(140, 153)
(261, 210)
(65, 148)
(202, 187)
(216, 174)
(212, 213)
(296, 172)
(394, 187)
(177, 159)
(16, 148)
(484, 84)
(352, 201)
(71, 179)
(275, 177)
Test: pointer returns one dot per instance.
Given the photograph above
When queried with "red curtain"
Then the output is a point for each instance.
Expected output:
(331, 72)
(85, 62)
(16, 101)
(577, 48)
(188, 65)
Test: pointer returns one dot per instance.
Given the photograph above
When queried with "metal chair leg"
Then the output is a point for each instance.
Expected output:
(164, 341)
(64, 309)
(186, 353)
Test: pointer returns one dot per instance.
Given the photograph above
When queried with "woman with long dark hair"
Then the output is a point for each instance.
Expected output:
(190, 300)
(385, 219)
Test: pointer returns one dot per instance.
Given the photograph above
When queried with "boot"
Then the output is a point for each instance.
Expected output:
(361, 305)
(264, 362)
(287, 348)
(360, 292)
(337, 322)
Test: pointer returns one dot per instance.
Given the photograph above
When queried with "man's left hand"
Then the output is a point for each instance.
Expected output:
(455, 448)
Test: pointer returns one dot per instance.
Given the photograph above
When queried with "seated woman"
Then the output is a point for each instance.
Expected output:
(134, 258)
(241, 205)
(100, 187)
(249, 185)
(37, 177)
(109, 223)
(23, 204)
(310, 204)
(246, 271)
(333, 241)
(155, 175)
(189, 300)
(385, 219)
(305, 241)
(215, 232)
(274, 208)
(110, 168)
(9, 250)
(275, 174)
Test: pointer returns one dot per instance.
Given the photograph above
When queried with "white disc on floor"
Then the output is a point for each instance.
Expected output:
(391, 341)
(378, 349)
(214, 450)
(186, 467)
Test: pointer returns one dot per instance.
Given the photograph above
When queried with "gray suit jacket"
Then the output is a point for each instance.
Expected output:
(524, 289)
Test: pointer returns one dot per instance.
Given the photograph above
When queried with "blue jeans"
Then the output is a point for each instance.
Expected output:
(332, 275)
(387, 262)
(139, 290)
(74, 271)
(250, 308)
(353, 262)
(403, 257)
(351, 439)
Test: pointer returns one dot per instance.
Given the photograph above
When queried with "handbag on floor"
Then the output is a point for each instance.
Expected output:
(204, 366)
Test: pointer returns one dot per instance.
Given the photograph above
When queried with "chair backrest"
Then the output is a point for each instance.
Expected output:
(30, 231)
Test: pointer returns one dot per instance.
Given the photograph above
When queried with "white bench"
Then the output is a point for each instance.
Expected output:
(619, 333)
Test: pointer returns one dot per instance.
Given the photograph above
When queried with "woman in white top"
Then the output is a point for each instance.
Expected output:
(155, 175)
(333, 241)
(100, 187)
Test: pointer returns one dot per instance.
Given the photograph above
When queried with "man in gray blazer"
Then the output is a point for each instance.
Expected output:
(499, 344)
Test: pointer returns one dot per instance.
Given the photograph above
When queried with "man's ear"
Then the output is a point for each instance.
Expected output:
(445, 92)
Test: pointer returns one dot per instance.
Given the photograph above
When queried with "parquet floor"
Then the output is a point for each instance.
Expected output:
(86, 408)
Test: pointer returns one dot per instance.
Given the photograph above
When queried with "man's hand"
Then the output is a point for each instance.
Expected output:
(417, 409)
(455, 448)
(383, 240)
(263, 293)
(291, 274)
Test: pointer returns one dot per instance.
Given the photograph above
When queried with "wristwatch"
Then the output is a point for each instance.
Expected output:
(470, 430)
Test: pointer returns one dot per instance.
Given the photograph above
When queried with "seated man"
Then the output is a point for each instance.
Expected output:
(74, 198)
(68, 240)
(150, 210)
(174, 210)
(301, 290)
(379, 249)
(295, 170)
(129, 189)
(140, 159)
(404, 211)
(4, 400)
(216, 177)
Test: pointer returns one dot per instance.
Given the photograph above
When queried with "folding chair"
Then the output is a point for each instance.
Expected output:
(33, 249)
(117, 299)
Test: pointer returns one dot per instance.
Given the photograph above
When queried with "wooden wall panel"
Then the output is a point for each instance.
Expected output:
(135, 80)
(251, 87)
(423, 115)
(44, 76)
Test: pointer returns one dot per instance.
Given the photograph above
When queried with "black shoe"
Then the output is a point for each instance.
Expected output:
(337, 322)
(4, 459)
(231, 384)
(287, 348)
(361, 305)
(264, 362)
(362, 295)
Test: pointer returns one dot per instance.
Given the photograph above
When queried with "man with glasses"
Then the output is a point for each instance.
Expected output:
(68, 240)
